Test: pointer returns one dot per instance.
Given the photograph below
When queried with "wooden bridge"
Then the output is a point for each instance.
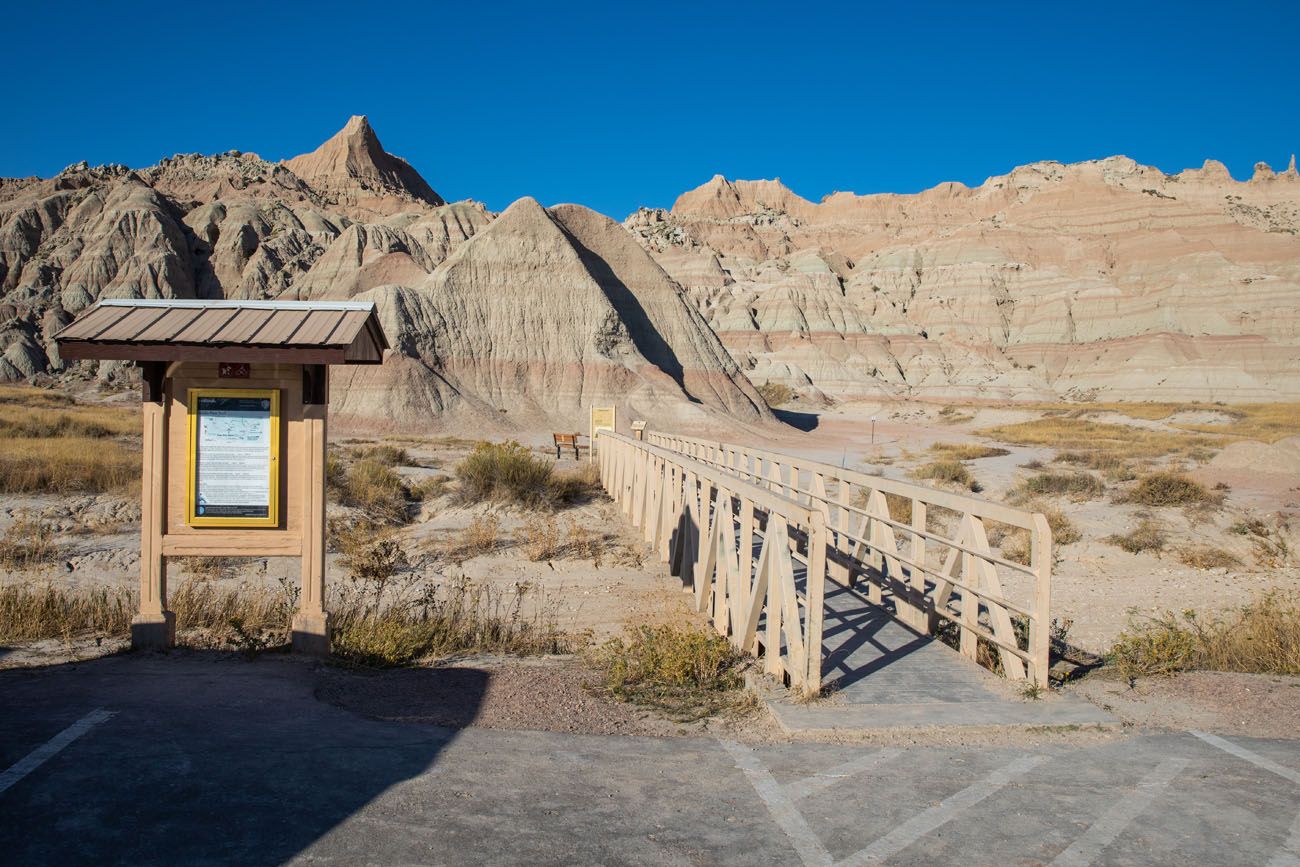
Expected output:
(772, 543)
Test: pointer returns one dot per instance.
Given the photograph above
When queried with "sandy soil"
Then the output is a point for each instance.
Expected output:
(1250, 705)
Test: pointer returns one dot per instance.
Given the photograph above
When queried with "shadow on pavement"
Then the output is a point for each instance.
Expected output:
(208, 757)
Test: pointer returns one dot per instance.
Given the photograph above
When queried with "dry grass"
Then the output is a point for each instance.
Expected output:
(67, 465)
(374, 488)
(441, 620)
(32, 613)
(950, 415)
(950, 472)
(1146, 536)
(1262, 637)
(1015, 542)
(1078, 486)
(1114, 467)
(967, 451)
(51, 444)
(1207, 557)
(369, 624)
(1169, 489)
(510, 473)
(1111, 440)
(28, 543)
(688, 672)
(776, 393)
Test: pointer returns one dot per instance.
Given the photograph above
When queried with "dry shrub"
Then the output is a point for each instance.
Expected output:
(505, 472)
(776, 393)
(29, 613)
(1015, 542)
(951, 472)
(967, 451)
(1146, 536)
(1079, 486)
(28, 542)
(950, 415)
(375, 489)
(478, 537)
(1206, 557)
(431, 488)
(66, 465)
(1262, 637)
(689, 672)
(1271, 548)
(541, 538)
(248, 618)
(576, 486)
(442, 620)
(1169, 489)
(582, 544)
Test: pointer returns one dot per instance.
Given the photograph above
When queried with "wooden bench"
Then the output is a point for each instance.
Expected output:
(566, 441)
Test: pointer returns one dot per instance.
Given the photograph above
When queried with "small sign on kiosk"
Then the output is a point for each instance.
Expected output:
(234, 457)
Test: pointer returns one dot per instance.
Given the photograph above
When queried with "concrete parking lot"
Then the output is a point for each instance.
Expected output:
(188, 759)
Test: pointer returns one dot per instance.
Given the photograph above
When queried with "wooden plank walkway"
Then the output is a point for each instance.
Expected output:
(879, 674)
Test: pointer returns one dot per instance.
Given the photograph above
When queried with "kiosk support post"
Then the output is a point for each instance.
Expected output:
(153, 627)
(311, 623)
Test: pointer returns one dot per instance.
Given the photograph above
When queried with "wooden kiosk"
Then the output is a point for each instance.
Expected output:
(235, 396)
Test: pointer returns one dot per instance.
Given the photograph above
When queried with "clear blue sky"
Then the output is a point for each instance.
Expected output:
(616, 105)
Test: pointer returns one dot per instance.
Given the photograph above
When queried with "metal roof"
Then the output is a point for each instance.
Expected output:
(299, 332)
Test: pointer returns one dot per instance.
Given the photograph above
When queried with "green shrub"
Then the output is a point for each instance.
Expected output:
(510, 473)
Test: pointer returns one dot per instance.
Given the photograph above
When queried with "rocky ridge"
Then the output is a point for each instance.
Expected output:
(1053, 280)
(490, 334)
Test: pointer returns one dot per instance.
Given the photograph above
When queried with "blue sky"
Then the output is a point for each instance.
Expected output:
(616, 105)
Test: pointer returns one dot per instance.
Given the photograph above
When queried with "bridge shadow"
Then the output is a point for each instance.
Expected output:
(207, 758)
(861, 638)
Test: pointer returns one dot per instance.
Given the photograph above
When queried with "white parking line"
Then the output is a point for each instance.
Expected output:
(788, 819)
(1102, 832)
(50, 748)
(923, 823)
(1243, 753)
(829, 777)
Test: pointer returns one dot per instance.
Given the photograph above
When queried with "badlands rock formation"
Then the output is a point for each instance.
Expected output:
(1103, 277)
(528, 319)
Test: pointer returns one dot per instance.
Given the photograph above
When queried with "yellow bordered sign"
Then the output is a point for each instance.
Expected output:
(237, 430)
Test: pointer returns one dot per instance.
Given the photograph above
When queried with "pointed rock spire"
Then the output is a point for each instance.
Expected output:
(353, 161)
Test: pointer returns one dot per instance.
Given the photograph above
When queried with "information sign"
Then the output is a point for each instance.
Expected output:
(234, 457)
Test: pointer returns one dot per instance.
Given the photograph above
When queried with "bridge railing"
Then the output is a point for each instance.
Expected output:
(933, 557)
(706, 523)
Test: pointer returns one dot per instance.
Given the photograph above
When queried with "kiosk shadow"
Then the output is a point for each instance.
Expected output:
(206, 758)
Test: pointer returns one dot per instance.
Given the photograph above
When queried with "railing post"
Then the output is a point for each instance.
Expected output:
(1040, 626)
(815, 591)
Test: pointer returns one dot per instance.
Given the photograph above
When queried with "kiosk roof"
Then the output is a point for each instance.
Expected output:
(296, 332)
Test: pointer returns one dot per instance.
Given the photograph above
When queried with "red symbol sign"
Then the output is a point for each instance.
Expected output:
(232, 370)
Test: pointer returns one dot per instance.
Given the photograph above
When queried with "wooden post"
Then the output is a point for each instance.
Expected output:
(311, 623)
(1040, 639)
(815, 591)
(153, 627)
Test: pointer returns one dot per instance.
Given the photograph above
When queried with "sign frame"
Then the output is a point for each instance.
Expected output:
(193, 519)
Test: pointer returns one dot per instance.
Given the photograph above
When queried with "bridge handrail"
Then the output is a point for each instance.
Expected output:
(917, 602)
(704, 521)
